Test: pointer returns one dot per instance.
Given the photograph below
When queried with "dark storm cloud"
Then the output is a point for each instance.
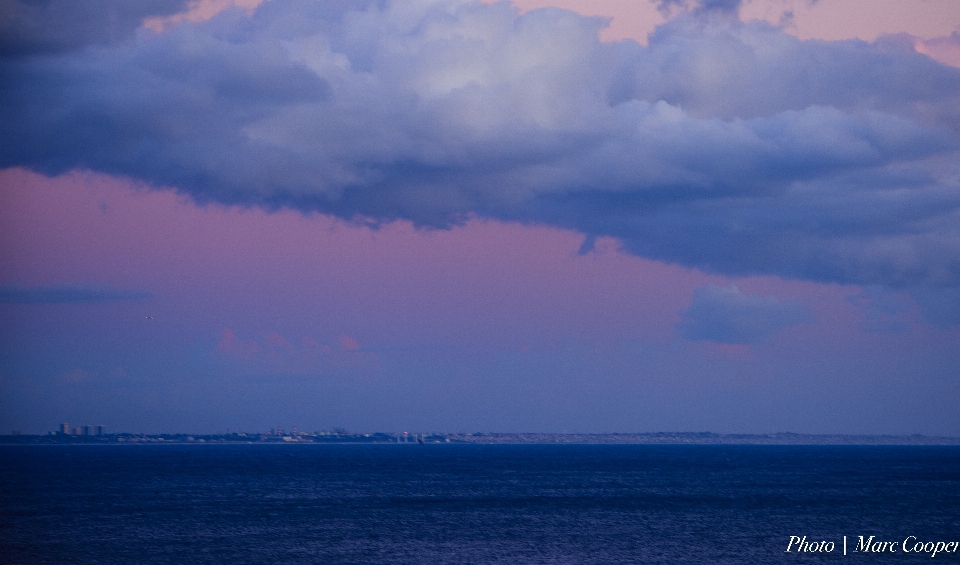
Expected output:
(725, 315)
(68, 294)
(47, 26)
(729, 147)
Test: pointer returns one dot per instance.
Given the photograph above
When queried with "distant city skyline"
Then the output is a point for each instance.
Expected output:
(341, 436)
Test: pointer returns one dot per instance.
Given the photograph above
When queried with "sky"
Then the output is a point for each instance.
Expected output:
(458, 216)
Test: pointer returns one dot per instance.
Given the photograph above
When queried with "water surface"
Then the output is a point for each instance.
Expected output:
(505, 504)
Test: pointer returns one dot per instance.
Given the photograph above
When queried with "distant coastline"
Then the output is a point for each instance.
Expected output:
(658, 438)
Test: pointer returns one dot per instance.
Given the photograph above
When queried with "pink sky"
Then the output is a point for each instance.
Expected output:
(819, 19)
(823, 19)
(930, 22)
(247, 293)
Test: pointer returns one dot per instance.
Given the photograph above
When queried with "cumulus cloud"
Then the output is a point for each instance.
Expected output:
(670, 7)
(68, 294)
(726, 146)
(725, 315)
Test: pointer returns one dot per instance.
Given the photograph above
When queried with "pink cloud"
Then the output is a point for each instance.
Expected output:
(274, 353)
(199, 11)
(347, 343)
(231, 346)
(944, 49)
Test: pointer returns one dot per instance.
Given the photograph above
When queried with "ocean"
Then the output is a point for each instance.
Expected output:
(475, 504)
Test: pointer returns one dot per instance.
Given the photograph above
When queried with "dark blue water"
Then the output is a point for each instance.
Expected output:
(511, 504)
